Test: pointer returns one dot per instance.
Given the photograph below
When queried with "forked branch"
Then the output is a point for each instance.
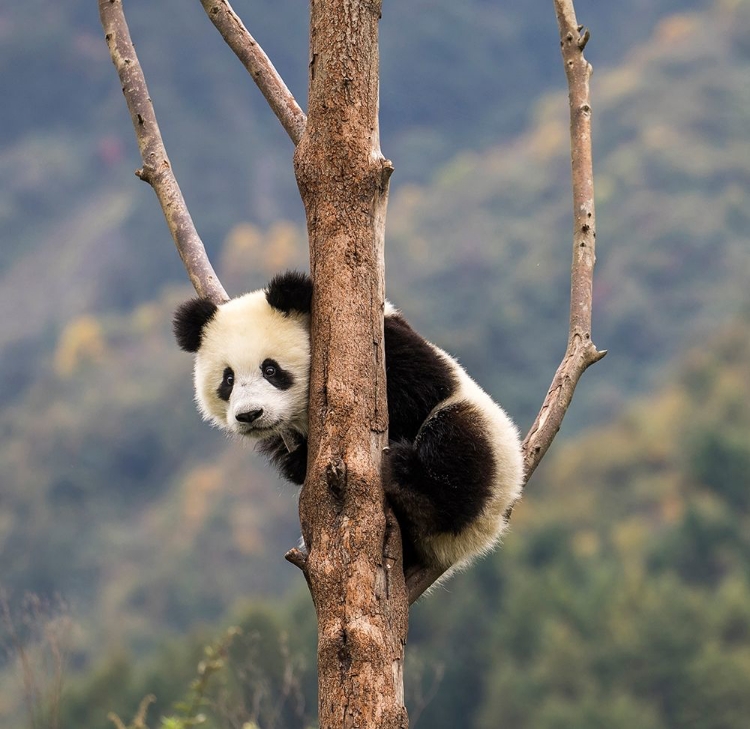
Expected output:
(581, 351)
(258, 65)
(157, 170)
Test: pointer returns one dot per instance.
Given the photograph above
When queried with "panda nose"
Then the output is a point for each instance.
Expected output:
(250, 416)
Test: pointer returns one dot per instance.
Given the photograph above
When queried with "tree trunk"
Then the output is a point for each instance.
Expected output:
(354, 564)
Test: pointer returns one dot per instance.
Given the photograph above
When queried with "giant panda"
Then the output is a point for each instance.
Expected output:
(453, 468)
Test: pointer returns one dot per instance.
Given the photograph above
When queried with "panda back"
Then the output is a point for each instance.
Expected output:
(418, 377)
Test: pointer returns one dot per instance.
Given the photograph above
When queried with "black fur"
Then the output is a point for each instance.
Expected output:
(224, 390)
(290, 291)
(441, 481)
(189, 321)
(292, 465)
(281, 379)
(418, 378)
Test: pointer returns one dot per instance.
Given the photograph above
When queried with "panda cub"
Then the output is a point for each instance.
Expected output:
(453, 467)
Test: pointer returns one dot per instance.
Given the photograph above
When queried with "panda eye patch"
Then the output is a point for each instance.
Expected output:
(277, 376)
(227, 383)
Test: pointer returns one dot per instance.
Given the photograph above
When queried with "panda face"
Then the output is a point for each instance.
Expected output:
(252, 368)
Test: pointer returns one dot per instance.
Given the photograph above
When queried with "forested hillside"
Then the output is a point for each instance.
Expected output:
(621, 598)
(627, 560)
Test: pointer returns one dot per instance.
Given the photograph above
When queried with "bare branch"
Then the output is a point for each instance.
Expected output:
(581, 351)
(157, 170)
(419, 579)
(258, 65)
(297, 557)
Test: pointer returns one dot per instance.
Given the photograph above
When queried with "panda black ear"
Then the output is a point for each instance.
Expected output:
(190, 320)
(290, 291)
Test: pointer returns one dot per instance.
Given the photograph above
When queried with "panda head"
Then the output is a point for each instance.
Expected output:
(252, 357)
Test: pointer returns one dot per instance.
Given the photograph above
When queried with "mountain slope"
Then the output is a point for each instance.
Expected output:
(115, 494)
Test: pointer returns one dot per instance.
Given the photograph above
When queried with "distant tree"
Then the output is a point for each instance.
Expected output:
(354, 567)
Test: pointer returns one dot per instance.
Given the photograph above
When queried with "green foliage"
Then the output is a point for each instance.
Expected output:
(620, 597)
(119, 442)
(252, 676)
(188, 711)
(721, 462)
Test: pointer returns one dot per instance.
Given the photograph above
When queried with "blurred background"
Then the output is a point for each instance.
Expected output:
(132, 535)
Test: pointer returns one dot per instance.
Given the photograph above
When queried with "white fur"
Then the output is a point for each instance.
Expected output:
(458, 551)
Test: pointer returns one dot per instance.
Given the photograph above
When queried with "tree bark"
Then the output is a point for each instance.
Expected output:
(354, 563)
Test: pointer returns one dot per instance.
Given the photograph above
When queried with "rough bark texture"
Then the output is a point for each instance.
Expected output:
(354, 563)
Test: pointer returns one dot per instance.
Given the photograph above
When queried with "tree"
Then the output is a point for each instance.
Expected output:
(353, 566)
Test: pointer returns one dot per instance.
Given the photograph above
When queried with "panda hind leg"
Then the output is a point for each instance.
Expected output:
(442, 481)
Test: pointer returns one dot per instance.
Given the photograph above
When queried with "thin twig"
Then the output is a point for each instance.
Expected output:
(581, 352)
(258, 65)
(157, 170)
